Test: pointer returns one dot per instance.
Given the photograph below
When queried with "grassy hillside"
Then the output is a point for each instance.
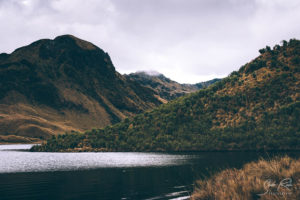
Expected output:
(275, 179)
(255, 108)
(164, 87)
(65, 84)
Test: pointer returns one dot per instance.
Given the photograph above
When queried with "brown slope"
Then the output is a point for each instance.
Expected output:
(53, 86)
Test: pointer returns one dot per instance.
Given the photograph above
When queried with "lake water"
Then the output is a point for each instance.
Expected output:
(35, 175)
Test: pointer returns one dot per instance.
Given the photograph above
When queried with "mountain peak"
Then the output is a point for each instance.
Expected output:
(81, 43)
(58, 44)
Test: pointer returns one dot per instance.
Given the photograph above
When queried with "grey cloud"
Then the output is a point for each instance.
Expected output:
(189, 41)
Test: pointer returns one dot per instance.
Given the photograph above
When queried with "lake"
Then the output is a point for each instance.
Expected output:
(110, 175)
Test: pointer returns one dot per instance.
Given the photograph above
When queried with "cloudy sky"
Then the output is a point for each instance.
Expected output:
(187, 40)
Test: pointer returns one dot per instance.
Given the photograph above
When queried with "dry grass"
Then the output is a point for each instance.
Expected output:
(37, 121)
(268, 178)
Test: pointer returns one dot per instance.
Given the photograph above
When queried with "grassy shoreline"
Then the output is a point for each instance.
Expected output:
(89, 149)
(278, 178)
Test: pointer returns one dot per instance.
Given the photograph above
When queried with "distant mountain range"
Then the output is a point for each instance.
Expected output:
(67, 84)
(165, 87)
(254, 108)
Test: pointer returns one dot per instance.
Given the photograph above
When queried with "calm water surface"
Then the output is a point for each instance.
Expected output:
(35, 175)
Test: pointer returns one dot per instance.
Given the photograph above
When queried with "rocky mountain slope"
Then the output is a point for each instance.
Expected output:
(254, 108)
(65, 84)
(166, 88)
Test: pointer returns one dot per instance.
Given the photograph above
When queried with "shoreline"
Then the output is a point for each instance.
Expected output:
(203, 151)
(154, 151)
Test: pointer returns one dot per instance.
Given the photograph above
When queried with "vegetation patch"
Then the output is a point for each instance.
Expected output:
(274, 179)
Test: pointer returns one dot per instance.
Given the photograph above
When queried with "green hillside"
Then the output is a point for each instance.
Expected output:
(255, 108)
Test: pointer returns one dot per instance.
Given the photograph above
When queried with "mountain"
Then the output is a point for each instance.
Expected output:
(166, 88)
(205, 84)
(254, 108)
(65, 84)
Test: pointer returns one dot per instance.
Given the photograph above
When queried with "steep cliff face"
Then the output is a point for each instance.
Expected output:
(53, 86)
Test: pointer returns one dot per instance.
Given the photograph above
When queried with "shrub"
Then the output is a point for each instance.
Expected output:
(262, 51)
(295, 60)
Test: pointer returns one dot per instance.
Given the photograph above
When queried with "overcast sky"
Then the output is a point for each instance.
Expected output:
(187, 40)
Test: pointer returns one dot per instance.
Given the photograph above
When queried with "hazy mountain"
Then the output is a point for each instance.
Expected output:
(255, 108)
(53, 86)
(165, 87)
(205, 84)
